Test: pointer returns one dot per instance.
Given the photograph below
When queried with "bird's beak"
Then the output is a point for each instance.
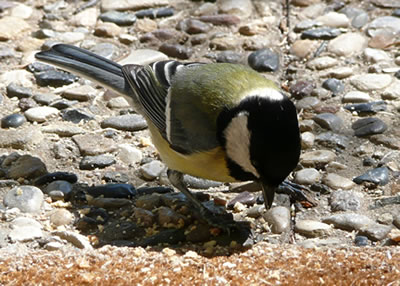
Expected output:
(268, 193)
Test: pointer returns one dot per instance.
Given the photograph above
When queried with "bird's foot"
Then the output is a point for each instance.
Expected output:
(223, 221)
(297, 193)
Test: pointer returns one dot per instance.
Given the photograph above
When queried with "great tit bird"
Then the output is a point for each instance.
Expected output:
(218, 121)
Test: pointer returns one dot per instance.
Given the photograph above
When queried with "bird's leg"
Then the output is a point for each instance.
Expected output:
(176, 179)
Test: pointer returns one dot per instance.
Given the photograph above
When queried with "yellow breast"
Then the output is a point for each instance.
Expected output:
(209, 165)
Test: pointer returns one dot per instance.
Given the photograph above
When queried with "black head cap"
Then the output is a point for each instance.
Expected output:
(274, 146)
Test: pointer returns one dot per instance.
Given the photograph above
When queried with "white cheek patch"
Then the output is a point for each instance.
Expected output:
(270, 93)
(237, 137)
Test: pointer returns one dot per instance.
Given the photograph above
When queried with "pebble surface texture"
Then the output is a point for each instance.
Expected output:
(84, 196)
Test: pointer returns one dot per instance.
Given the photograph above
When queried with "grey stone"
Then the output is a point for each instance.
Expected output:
(376, 232)
(13, 121)
(93, 162)
(371, 81)
(329, 121)
(278, 218)
(94, 144)
(336, 182)
(25, 233)
(384, 25)
(307, 176)
(368, 126)
(321, 34)
(345, 201)
(349, 221)
(332, 140)
(58, 185)
(119, 18)
(28, 199)
(311, 228)
(264, 60)
(127, 122)
(317, 158)
(152, 170)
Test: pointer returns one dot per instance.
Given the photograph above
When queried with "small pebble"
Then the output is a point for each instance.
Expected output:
(329, 121)
(279, 218)
(54, 78)
(127, 122)
(12, 121)
(378, 176)
(368, 126)
(28, 199)
(94, 162)
(361, 240)
(346, 200)
(264, 60)
(334, 85)
(152, 170)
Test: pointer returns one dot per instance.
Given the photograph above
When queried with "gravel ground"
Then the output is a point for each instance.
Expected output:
(84, 197)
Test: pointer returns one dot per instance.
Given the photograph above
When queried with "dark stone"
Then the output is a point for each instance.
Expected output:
(13, 121)
(301, 89)
(397, 74)
(329, 121)
(155, 13)
(39, 67)
(332, 140)
(361, 240)
(368, 161)
(154, 190)
(63, 103)
(93, 162)
(176, 51)
(115, 177)
(126, 122)
(396, 13)
(368, 126)
(54, 78)
(169, 236)
(26, 103)
(334, 85)
(56, 176)
(378, 176)
(229, 57)
(14, 90)
(92, 219)
(121, 230)
(76, 115)
(118, 191)
(119, 18)
(321, 34)
(367, 108)
(264, 60)
(245, 198)
(394, 200)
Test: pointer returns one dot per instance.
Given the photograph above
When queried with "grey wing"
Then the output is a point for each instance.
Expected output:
(152, 84)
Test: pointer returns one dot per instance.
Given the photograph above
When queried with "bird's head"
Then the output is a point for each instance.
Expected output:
(261, 138)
